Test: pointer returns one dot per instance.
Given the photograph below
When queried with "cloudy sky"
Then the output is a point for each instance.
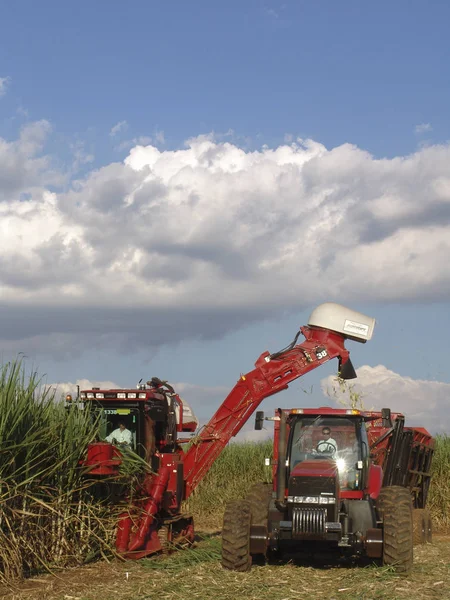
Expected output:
(182, 183)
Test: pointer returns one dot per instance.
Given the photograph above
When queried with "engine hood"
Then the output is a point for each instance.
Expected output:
(314, 477)
(315, 468)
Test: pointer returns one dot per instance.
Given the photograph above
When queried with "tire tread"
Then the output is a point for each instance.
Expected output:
(396, 510)
(236, 536)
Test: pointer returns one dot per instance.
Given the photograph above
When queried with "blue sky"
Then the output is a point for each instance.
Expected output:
(334, 71)
(83, 85)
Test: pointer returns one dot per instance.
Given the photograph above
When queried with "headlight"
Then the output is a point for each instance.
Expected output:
(132, 395)
(121, 395)
(90, 395)
(142, 395)
(325, 500)
(340, 463)
(100, 395)
(311, 499)
(82, 395)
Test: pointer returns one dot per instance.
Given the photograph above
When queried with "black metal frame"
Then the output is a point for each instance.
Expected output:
(408, 462)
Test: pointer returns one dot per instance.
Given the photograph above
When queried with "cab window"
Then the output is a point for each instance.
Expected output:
(331, 439)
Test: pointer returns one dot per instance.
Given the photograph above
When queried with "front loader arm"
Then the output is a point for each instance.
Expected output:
(272, 373)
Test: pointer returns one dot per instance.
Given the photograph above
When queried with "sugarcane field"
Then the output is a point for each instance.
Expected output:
(59, 537)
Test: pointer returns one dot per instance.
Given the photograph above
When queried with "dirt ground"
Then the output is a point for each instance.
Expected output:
(196, 573)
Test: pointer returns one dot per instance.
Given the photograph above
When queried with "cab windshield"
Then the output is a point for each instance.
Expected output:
(111, 416)
(331, 439)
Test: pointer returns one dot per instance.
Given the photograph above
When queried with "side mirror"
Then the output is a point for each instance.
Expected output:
(346, 370)
(259, 420)
(386, 417)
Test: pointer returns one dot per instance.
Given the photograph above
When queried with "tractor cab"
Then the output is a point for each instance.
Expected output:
(323, 441)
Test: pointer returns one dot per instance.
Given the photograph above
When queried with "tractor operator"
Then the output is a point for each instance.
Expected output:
(120, 436)
(327, 445)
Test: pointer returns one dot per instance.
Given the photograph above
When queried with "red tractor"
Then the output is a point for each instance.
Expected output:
(155, 416)
(344, 480)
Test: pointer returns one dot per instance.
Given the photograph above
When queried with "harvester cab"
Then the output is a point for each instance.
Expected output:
(154, 414)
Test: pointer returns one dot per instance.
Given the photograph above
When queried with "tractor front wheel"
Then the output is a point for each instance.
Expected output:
(259, 497)
(397, 528)
(236, 536)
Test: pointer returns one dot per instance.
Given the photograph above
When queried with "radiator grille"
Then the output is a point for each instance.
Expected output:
(308, 521)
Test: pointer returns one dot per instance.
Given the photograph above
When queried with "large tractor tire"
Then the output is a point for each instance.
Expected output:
(380, 501)
(396, 510)
(419, 526)
(259, 497)
(236, 536)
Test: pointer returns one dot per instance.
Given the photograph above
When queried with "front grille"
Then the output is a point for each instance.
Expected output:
(309, 521)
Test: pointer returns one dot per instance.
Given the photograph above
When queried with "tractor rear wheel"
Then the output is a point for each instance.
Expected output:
(397, 528)
(380, 501)
(419, 526)
(236, 536)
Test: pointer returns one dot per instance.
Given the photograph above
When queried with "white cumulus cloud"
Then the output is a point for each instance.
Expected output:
(192, 243)
(424, 403)
(61, 389)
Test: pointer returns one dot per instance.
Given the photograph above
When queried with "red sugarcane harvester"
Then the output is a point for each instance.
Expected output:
(156, 416)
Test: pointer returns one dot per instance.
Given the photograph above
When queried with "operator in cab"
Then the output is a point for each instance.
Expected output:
(120, 436)
(327, 444)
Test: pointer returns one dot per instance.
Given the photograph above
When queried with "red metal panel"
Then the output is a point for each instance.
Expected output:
(375, 481)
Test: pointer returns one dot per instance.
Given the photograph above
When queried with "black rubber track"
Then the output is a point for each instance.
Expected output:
(236, 536)
(259, 497)
(396, 509)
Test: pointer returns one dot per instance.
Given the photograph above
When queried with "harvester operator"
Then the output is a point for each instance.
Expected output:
(120, 436)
